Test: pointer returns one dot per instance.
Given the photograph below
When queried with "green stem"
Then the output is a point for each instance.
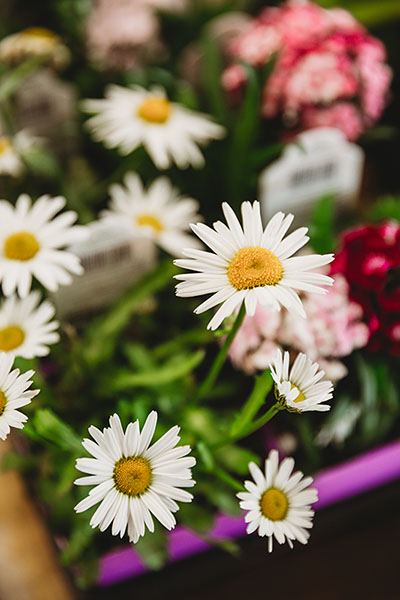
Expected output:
(220, 359)
(262, 386)
(251, 428)
(228, 479)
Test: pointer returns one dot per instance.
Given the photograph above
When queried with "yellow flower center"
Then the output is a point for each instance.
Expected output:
(147, 220)
(154, 110)
(5, 144)
(254, 267)
(132, 475)
(300, 397)
(3, 402)
(21, 246)
(274, 504)
(40, 32)
(11, 338)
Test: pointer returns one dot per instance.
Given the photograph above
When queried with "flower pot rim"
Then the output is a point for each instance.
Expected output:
(337, 483)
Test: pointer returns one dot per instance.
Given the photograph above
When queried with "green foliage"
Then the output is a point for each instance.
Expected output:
(387, 207)
(50, 427)
(321, 231)
(153, 548)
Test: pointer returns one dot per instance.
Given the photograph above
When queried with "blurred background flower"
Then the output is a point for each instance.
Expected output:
(326, 70)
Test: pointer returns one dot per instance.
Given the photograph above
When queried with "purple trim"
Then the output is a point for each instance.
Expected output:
(334, 484)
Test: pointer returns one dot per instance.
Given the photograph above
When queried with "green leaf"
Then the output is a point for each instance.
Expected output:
(196, 517)
(101, 336)
(235, 458)
(321, 231)
(53, 429)
(12, 81)
(80, 538)
(152, 548)
(205, 455)
(370, 13)
(42, 162)
(387, 207)
(164, 374)
(138, 356)
(246, 126)
(218, 495)
(212, 72)
(368, 383)
(260, 157)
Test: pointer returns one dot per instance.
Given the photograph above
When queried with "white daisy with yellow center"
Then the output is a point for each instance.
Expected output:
(34, 41)
(301, 388)
(133, 480)
(30, 241)
(10, 161)
(158, 213)
(278, 503)
(26, 326)
(14, 394)
(250, 264)
(170, 132)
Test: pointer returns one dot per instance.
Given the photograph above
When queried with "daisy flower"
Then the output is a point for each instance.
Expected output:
(158, 213)
(250, 264)
(132, 479)
(14, 394)
(10, 161)
(26, 328)
(30, 239)
(170, 132)
(278, 502)
(301, 390)
(34, 41)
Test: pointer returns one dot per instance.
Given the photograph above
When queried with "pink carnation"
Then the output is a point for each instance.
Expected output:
(327, 66)
(343, 115)
(333, 329)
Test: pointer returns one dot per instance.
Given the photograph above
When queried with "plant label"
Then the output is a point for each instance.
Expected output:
(113, 260)
(320, 162)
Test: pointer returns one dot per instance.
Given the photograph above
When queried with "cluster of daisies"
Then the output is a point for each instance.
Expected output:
(135, 481)
(32, 238)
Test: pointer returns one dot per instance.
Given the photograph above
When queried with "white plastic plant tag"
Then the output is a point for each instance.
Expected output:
(321, 161)
(113, 260)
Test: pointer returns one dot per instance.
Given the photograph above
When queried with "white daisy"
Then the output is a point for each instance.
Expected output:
(170, 132)
(10, 161)
(158, 213)
(34, 41)
(14, 394)
(30, 239)
(26, 327)
(13, 149)
(278, 502)
(132, 479)
(250, 264)
(301, 390)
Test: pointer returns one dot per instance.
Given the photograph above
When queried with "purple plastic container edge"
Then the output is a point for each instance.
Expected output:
(358, 475)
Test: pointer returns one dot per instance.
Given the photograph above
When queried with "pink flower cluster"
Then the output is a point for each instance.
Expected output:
(328, 71)
(333, 329)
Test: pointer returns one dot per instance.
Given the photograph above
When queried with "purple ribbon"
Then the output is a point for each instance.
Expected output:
(358, 475)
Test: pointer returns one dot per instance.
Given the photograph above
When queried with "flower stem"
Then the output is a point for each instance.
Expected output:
(220, 359)
(251, 428)
(262, 386)
(228, 479)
